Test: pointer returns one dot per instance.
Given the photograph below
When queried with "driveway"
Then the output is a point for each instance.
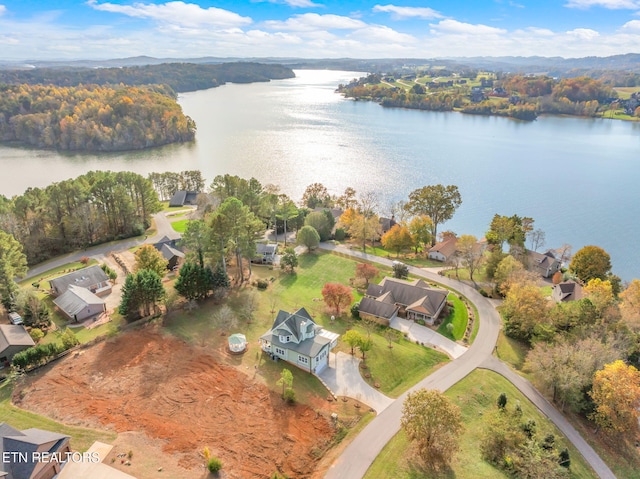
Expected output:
(344, 379)
(417, 332)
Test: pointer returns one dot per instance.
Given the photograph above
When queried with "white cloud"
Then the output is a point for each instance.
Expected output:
(610, 4)
(631, 25)
(543, 32)
(583, 33)
(294, 3)
(314, 21)
(459, 28)
(382, 34)
(3, 10)
(408, 12)
(176, 13)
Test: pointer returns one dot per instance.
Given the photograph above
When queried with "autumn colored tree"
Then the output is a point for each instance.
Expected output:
(590, 262)
(420, 228)
(147, 257)
(434, 424)
(616, 394)
(365, 228)
(526, 312)
(366, 271)
(600, 293)
(316, 194)
(557, 277)
(337, 296)
(469, 253)
(508, 271)
(630, 304)
(398, 238)
(438, 202)
(13, 263)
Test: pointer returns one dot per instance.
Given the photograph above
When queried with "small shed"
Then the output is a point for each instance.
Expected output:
(237, 343)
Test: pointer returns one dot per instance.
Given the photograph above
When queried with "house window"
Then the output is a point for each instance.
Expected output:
(285, 339)
(280, 352)
(303, 359)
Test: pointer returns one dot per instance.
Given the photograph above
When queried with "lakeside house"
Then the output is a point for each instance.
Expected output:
(297, 339)
(182, 198)
(567, 291)
(545, 264)
(406, 299)
(443, 250)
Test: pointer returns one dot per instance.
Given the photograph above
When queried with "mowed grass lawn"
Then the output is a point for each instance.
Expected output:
(476, 395)
(395, 369)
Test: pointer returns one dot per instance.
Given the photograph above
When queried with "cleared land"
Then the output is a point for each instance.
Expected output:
(183, 399)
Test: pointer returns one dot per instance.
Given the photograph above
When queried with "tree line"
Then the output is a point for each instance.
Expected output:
(92, 118)
(70, 215)
(179, 77)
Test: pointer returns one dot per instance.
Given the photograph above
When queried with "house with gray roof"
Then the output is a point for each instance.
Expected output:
(23, 448)
(567, 291)
(297, 339)
(407, 299)
(169, 250)
(91, 278)
(13, 339)
(545, 264)
(78, 303)
(182, 197)
(265, 253)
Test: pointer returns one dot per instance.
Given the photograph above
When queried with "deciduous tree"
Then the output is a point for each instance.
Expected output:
(366, 271)
(616, 394)
(470, 254)
(352, 338)
(337, 296)
(309, 237)
(316, 194)
(438, 202)
(289, 260)
(434, 424)
(525, 311)
(320, 223)
(286, 380)
(630, 304)
(398, 238)
(147, 257)
(13, 263)
(420, 228)
(590, 262)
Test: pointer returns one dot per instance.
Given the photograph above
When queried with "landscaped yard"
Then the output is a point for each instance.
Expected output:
(476, 395)
(458, 316)
(180, 226)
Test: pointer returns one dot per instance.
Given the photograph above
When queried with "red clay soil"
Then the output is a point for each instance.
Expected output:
(144, 381)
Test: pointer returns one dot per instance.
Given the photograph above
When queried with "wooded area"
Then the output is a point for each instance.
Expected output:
(73, 214)
(92, 118)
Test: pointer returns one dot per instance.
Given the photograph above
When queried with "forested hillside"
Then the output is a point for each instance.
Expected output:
(181, 77)
(73, 214)
(92, 118)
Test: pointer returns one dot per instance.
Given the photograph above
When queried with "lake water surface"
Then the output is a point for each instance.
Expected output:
(578, 178)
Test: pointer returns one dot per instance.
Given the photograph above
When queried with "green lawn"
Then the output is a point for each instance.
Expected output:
(511, 351)
(410, 258)
(54, 273)
(81, 438)
(458, 316)
(395, 369)
(180, 226)
(476, 395)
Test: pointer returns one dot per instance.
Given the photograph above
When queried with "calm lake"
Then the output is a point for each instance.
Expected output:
(578, 178)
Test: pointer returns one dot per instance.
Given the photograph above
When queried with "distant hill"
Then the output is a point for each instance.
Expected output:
(181, 77)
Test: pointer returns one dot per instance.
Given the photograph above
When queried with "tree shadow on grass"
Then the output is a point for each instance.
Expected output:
(417, 469)
(307, 260)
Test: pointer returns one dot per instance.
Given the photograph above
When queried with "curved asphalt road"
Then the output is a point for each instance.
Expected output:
(360, 454)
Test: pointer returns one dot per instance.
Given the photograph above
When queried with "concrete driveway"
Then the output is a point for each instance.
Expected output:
(343, 379)
(416, 332)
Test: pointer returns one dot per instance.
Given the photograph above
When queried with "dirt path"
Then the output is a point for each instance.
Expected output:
(184, 399)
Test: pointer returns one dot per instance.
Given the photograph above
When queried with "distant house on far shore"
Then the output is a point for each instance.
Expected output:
(182, 198)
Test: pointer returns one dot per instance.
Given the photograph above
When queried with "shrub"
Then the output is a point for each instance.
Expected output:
(214, 465)
(84, 260)
(355, 310)
(262, 284)
(289, 395)
(502, 400)
(340, 234)
(36, 334)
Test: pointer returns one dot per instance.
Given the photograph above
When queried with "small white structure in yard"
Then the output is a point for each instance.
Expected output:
(237, 343)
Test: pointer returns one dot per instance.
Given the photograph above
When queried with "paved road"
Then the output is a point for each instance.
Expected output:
(163, 228)
(360, 454)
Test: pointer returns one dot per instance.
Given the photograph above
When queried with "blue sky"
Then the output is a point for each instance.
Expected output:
(101, 29)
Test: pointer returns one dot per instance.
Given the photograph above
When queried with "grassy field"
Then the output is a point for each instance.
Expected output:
(410, 258)
(394, 369)
(81, 438)
(511, 351)
(476, 395)
(180, 226)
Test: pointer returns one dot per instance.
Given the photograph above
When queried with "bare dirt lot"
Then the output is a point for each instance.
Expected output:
(182, 400)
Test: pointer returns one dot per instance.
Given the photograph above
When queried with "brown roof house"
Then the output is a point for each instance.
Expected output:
(567, 291)
(13, 339)
(296, 338)
(396, 297)
(544, 264)
(32, 453)
(444, 250)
